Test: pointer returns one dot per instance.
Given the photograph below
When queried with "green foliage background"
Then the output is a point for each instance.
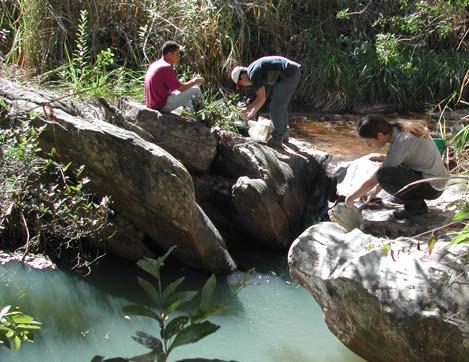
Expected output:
(353, 52)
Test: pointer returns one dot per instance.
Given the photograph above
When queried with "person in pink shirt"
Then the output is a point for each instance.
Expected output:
(163, 90)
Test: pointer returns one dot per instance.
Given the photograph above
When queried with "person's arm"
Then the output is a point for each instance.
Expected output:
(362, 190)
(194, 81)
(372, 194)
(252, 109)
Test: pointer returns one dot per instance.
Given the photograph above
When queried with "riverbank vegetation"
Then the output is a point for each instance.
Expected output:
(353, 53)
(16, 327)
(44, 205)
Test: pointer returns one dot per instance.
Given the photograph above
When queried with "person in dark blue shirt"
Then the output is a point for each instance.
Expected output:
(283, 76)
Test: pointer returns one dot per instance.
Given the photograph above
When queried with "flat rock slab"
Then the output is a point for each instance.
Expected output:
(379, 221)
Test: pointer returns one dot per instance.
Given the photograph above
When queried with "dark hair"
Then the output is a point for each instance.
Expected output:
(169, 47)
(370, 126)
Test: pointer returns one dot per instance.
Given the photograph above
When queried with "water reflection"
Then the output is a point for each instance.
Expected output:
(273, 319)
(337, 138)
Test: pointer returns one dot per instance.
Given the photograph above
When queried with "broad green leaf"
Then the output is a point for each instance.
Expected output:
(171, 288)
(140, 310)
(28, 326)
(150, 266)
(461, 238)
(194, 333)
(153, 266)
(16, 343)
(174, 327)
(22, 318)
(205, 312)
(462, 215)
(208, 291)
(178, 299)
(150, 290)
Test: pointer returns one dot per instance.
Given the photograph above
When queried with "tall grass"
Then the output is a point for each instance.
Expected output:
(352, 52)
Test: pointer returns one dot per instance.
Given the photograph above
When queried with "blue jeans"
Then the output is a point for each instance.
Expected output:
(186, 99)
(282, 93)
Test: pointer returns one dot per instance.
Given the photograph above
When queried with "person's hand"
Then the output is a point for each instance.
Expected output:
(248, 113)
(371, 195)
(197, 80)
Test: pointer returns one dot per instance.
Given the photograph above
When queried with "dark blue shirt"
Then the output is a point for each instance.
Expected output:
(267, 71)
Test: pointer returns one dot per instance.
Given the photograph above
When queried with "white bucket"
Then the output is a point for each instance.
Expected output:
(260, 130)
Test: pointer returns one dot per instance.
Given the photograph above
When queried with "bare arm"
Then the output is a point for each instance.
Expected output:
(362, 190)
(194, 81)
(252, 109)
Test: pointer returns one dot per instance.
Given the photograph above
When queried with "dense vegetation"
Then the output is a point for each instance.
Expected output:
(44, 205)
(354, 52)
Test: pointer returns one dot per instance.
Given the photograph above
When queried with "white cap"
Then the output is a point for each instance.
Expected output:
(236, 72)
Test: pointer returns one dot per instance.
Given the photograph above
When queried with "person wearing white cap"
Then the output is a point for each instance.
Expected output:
(280, 74)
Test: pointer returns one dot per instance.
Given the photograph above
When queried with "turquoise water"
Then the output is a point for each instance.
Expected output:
(271, 319)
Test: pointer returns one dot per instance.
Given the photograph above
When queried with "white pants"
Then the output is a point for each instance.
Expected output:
(185, 98)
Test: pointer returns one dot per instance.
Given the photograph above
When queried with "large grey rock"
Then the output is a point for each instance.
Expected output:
(148, 185)
(273, 194)
(189, 141)
(387, 300)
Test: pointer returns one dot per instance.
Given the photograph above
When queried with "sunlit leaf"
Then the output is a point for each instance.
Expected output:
(462, 237)
(16, 343)
(431, 244)
(462, 215)
(29, 326)
(22, 318)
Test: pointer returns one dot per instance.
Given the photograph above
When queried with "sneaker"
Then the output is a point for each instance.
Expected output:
(409, 214)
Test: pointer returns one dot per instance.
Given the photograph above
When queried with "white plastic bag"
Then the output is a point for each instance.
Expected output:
(260, 130)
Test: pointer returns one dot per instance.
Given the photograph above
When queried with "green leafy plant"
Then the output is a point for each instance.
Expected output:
(16, 327)
(175, 331)
(463, 235)
(220, 111)
(43, 203)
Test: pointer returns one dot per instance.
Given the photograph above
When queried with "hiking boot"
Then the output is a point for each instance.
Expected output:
(409, 214)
